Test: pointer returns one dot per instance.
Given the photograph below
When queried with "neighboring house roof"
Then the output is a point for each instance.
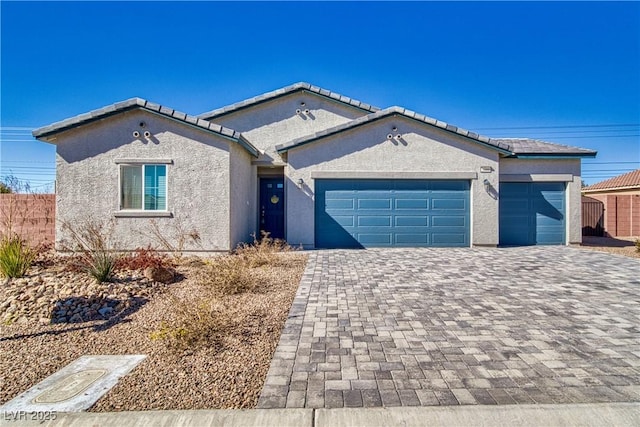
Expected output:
(296, 87)
(45, 132)
(629, 180)
(511, 147)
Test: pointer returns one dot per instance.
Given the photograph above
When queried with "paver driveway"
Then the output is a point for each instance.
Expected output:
(390, 327)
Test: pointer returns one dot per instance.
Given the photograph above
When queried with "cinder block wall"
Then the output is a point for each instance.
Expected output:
(31, 216)
(621, 214)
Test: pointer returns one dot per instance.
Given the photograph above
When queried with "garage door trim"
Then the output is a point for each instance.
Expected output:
(454, 176)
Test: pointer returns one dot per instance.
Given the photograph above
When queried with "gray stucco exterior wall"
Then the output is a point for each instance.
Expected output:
(243, 202)
(198, 184)
(422, 151)
(561, 170)
(276, 121)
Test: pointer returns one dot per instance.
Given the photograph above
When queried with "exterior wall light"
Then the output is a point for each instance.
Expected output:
(300, 182)
(486, 183)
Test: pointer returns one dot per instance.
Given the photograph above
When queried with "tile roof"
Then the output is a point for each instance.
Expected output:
(301, 86)
(139, 103)
(508, 146)
(627, 180)
(538, 147)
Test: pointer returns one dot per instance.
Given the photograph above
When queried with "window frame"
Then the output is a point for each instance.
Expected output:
(142, 211)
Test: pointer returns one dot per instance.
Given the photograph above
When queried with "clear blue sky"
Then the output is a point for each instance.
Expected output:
(563, 72)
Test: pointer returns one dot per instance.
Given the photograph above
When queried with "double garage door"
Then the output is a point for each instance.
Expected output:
(389, 213)
(413, 213)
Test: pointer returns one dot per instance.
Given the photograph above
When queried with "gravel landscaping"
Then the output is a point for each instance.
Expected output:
(53, 316)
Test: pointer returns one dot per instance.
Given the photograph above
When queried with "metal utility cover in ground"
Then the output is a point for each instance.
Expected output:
(76, 387)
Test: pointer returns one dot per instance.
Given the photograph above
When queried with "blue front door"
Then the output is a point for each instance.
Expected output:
(272, 206)
(391, 213)
(532, 213)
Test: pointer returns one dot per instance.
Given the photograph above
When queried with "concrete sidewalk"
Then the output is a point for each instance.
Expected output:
(601, 414)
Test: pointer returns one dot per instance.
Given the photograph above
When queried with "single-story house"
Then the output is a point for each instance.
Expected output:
(620, 196)
(316, 168)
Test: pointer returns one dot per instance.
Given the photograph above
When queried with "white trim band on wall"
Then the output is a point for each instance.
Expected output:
(144, 161)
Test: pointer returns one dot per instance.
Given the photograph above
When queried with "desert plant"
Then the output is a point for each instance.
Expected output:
(262, 251)
(90, 240)
(15, 257)
(101, 266)
(143, 258)
(227, 275)
(194, 324)
(173, 237)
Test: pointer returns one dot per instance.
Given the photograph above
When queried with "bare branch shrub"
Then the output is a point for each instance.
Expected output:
(174, 237)
(91, 241)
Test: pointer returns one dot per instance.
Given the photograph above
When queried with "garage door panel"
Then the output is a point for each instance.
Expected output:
(448, 221)
(374, 204)
(344, 220)
(532, 213)
(412, 221)
(546, 221)
(515, 207)
(375, 239)
(412, 239)
(374, 221)
(448, 204)
(412, 204)
(391, 213)
(335, 203)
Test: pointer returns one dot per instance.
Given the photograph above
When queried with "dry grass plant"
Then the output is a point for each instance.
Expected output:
(90, 240)
(204, 318)
(15, 257)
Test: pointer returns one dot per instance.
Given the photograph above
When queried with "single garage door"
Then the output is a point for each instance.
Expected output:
(532, 213)
(388, 213)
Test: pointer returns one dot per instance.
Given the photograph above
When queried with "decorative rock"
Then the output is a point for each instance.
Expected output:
(159, 274)
(105, 311)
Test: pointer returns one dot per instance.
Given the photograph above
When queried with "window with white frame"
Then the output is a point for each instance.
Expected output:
(143, 187)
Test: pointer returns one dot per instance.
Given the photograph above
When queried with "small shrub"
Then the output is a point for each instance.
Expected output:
(100, 265)
(638, 245)
(195, 324)
(143, 258)
(227, 275)
(262, 251)
(91, 243)
(15, 257)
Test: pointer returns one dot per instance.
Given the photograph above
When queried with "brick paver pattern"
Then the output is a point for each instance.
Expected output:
(449, 326)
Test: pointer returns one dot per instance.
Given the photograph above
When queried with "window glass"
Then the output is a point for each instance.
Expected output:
(155, 193)
(131, 187)
(149, 193)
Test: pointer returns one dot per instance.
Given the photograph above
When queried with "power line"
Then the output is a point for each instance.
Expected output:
(562, 127)
(612, 163)
(25, 161)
